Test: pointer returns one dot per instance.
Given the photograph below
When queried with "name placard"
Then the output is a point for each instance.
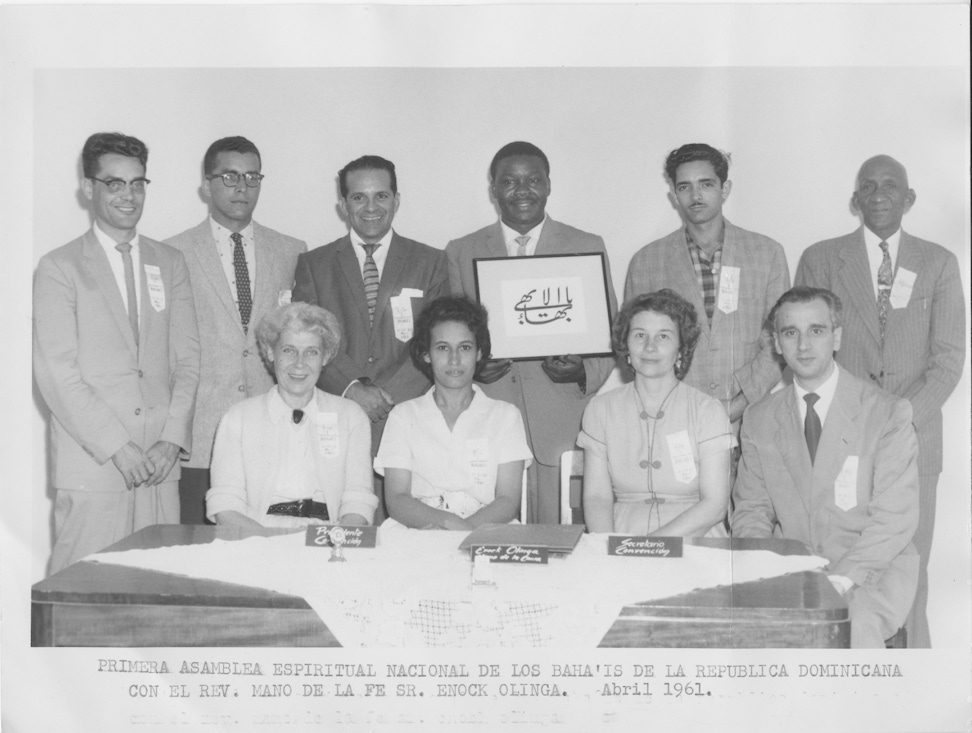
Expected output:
(645, 546)
(520, 554)
(320, 536)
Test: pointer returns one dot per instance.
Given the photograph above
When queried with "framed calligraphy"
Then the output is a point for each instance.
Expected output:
(546, 305)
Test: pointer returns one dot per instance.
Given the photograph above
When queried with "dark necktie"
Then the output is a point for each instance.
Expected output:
(371, 279)
(521, 243)
(811, 425)
(126, 252)
(242, 280)
(885, 279)
(298, 416)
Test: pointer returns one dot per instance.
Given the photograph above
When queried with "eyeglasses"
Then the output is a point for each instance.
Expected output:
(231, 179)
(117, 185)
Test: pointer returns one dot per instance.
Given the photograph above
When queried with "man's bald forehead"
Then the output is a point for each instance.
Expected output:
(883, 160)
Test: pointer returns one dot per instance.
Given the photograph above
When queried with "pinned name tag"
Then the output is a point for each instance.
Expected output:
(328, 438)
(845, 487)
(728, 289)
(683, 462)
(645, 546)
(478, 451)
(904, 283)
(284, 297)
(156, 290)
(520, 554)
(320, 536)
(401, 306)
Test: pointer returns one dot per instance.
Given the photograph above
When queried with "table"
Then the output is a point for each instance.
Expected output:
(95, 604)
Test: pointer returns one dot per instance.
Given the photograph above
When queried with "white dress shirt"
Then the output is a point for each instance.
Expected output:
(510, 235)
(825, 392)
(872, 243)
(381, 253)
(118, 265)
(225, 246)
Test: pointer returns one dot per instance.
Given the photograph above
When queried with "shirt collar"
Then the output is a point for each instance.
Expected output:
(873, 241)
(222, 234)
(825, 392)
(108, 243)
(701, 252)
(281, 411)
(510, 234)
(385, 241)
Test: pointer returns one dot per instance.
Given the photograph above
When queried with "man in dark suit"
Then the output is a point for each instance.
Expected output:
(832, 461)
(116, 358)
(239, 271)
(376, 282)
(904, 326)
(551, 393)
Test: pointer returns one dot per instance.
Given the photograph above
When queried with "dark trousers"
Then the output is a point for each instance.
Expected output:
(193, 485)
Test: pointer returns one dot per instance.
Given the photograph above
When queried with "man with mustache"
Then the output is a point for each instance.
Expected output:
(551, 393)
(240, 270)
(732, 276)
(904, 327)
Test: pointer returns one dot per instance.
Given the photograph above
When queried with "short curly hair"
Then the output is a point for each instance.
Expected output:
(669, 303)
(105, 143)
(303, 317)
(698, 151)
(454, 308)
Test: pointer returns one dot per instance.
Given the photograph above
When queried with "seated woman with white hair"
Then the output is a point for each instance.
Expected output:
(295, 455)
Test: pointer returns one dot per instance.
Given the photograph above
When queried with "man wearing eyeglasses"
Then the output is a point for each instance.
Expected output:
(116, 358)
(239, 271)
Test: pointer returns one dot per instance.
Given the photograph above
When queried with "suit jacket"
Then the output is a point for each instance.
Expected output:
(924, 344)
(249, 447)
(231, 367)
(330, 277)
(778, 489)
(552, 412)
(730, 354)
(102, 390)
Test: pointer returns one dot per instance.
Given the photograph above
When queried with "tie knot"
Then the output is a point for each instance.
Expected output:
(811, 398)
(124, 247)
(884, 247)
(237, 238)
(523, 241)
(370, 249)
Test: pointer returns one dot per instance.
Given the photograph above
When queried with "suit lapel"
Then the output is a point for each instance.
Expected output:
(685, 281)
(729, 245)
(348, 262)
(496, 244)
(855, 273)
(146, 313)
(100, 270)
(391, 274)
(263, 299)
(909, 258)
(792, 444)
(547, 244)
(840, 434)
(210, 265)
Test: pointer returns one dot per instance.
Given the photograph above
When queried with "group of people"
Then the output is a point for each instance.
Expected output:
(231, 375)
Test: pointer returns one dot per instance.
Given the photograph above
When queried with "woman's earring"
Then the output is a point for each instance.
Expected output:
(678, 362)
(628, 357)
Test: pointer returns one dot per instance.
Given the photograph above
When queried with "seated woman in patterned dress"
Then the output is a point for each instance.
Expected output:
(656, 451)
(452, 458)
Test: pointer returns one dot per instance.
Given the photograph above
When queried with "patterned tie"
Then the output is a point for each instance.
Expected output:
(811, 425)
(126, 252)
(242, 280)
(522, 243)
(885, 279)
(371, 279)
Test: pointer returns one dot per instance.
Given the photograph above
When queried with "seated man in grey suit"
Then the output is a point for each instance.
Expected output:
(832, 461)
(551, 393)
(239, 270)
(904, 322)
(376, 282)
(732, 276)
(116, 358)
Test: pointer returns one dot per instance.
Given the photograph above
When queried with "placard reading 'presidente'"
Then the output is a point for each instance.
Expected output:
(319, 536)
(546, 305)
(645, 546)
(511, 553)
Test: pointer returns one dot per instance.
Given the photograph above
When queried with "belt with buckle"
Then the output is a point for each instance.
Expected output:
(300, 508)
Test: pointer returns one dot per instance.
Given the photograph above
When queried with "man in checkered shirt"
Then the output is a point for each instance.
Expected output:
(732, 277)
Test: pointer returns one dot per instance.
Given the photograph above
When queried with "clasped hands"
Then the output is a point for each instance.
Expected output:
(375, 401)
(565, 369)
(149, 468)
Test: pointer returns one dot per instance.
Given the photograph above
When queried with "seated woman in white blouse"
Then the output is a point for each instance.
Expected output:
(452, 458)
(295, 455)
(656, 451)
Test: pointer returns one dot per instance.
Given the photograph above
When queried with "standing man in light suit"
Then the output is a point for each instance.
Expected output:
(551, 393)
(239, 271)
(116, 358)
(376, 282)
(904, 326)
(732, 276)
(832, 461)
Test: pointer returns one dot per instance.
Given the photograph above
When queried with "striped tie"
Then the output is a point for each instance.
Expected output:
(371, 279)
(522, 243)
(885, 279)
(242, 280)
(126, 252)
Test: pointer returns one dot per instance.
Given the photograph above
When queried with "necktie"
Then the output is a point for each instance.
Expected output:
(242, 280)
(126, 252)
(298, 416)
(522, 243)
(371, 279)
(811, 425)
(885, 278)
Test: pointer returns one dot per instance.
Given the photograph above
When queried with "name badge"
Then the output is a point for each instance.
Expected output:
(683, 462)
(904, 283)
(478, 452)
(845, 487)
(328, 441)
(284, 297)
(401, 306)
(153, 279)
(644, 546)
(728, 289)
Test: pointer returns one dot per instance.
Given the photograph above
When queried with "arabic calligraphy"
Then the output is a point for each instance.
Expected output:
(551, 305)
